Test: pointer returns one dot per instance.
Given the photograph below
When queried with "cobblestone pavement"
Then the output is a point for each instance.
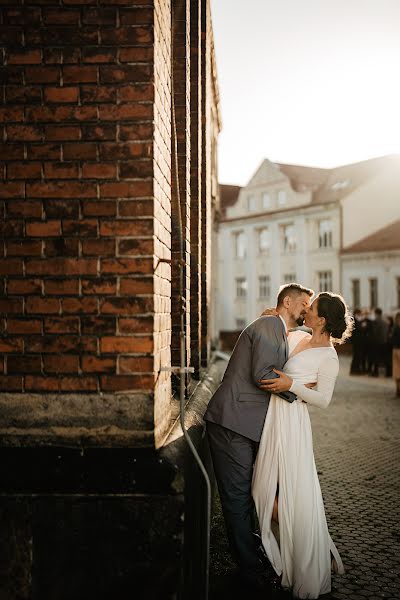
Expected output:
(356, 445)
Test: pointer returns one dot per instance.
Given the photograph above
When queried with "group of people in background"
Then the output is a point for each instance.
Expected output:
(376, 345)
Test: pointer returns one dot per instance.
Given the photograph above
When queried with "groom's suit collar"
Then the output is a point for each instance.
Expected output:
(284, 324)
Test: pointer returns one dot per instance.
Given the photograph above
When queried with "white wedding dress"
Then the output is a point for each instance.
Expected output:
(285, 458)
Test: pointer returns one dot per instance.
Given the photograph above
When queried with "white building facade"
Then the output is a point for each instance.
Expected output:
(293, 223)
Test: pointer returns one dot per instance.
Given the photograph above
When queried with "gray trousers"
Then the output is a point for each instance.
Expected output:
(233, 457)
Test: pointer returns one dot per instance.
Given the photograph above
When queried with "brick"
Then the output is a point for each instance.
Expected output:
(61, 94)
(85, 306)
(10, 151)
(61, 247)
(126, 306)
(131, 36)
(24, 208)
(8, 345)
(92, 325)
(49, 344)
(135, 131)
(135, 247)
(8, 114)
(136, 325)
(125, 112)
(44, 229)
(82, 228)
(101, 287)
(62, 132)
(99, 16)
(131, 286)
(61, 287)
(24, 326)
(55, 16)
(114, 383)
(42, 74)
(43, 306)
(126, 73)
(27, 57)
(24, 286)
(127, 152)
(11, 266)
(127, 228)
(24, 364)
(44, 151)
(26, 133)
(98, 94)
(135, 169)
(60, 208)
(82, 151)
(136, 208)
(126, 190)
(67, 189)
(11, 190)
(98, 247)
(10, 306)
(23, 95)
(61, 170)
(93, 364)
(66, 363)
(80, 74)
(99, 171)
(24, 170)
(24, 248)
(99, 54)
(62, 266)
(99, 132)
(99, 208)
(61, 325)
(63, 384)
(136, 16)
(10, 383)
(122, 266)
(135, 364)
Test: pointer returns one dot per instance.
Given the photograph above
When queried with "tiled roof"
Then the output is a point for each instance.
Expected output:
(387, 238)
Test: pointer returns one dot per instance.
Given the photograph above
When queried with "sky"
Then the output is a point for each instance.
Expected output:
(307, 82)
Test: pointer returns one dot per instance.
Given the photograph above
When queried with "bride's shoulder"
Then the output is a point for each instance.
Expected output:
(299, 334)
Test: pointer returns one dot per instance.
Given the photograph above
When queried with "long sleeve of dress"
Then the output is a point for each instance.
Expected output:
(321, 395)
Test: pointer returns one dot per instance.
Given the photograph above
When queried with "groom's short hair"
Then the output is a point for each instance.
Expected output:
(292, 289)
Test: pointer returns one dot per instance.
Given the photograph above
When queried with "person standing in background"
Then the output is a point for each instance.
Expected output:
(356, 343)
(396, 353)
(379, 340)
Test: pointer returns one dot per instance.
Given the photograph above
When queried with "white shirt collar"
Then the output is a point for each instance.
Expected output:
(284, 324)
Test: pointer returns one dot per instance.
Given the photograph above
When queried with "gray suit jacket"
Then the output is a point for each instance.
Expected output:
(239, 404)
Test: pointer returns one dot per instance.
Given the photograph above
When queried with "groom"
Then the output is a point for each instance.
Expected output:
(235, 417)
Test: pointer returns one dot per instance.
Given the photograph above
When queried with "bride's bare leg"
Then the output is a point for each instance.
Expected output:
(275, 510)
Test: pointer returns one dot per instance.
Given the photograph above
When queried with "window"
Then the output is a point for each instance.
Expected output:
(288, 238)
(281, 197)
(355, 290)
(264, 240)
(240, 244)
(398, 291)
(325, 233)
(289, 278)
(264, 286)
(266, 200)
(240, 323)
(373, 292)
(241, 287)
(325, 281)
(252, 203)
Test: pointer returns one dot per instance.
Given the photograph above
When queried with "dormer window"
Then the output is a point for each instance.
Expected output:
(281, 197)
(252, 203)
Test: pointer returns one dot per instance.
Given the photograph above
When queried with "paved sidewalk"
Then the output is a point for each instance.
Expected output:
(356, 444)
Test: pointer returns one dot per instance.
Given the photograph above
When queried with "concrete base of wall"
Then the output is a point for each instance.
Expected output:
(92, 523)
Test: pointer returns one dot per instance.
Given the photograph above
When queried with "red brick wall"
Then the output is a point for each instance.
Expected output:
(85, 113)
(78, 148)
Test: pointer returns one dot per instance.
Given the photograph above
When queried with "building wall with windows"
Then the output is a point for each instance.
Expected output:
(300, 223)
(371, 271)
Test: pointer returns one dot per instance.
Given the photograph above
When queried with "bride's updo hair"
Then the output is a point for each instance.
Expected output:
(339, 322)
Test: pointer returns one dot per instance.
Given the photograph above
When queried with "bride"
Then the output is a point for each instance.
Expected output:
(285, 483)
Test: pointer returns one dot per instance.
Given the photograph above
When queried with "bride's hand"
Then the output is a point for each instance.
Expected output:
(269, 312)
(281, 384)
